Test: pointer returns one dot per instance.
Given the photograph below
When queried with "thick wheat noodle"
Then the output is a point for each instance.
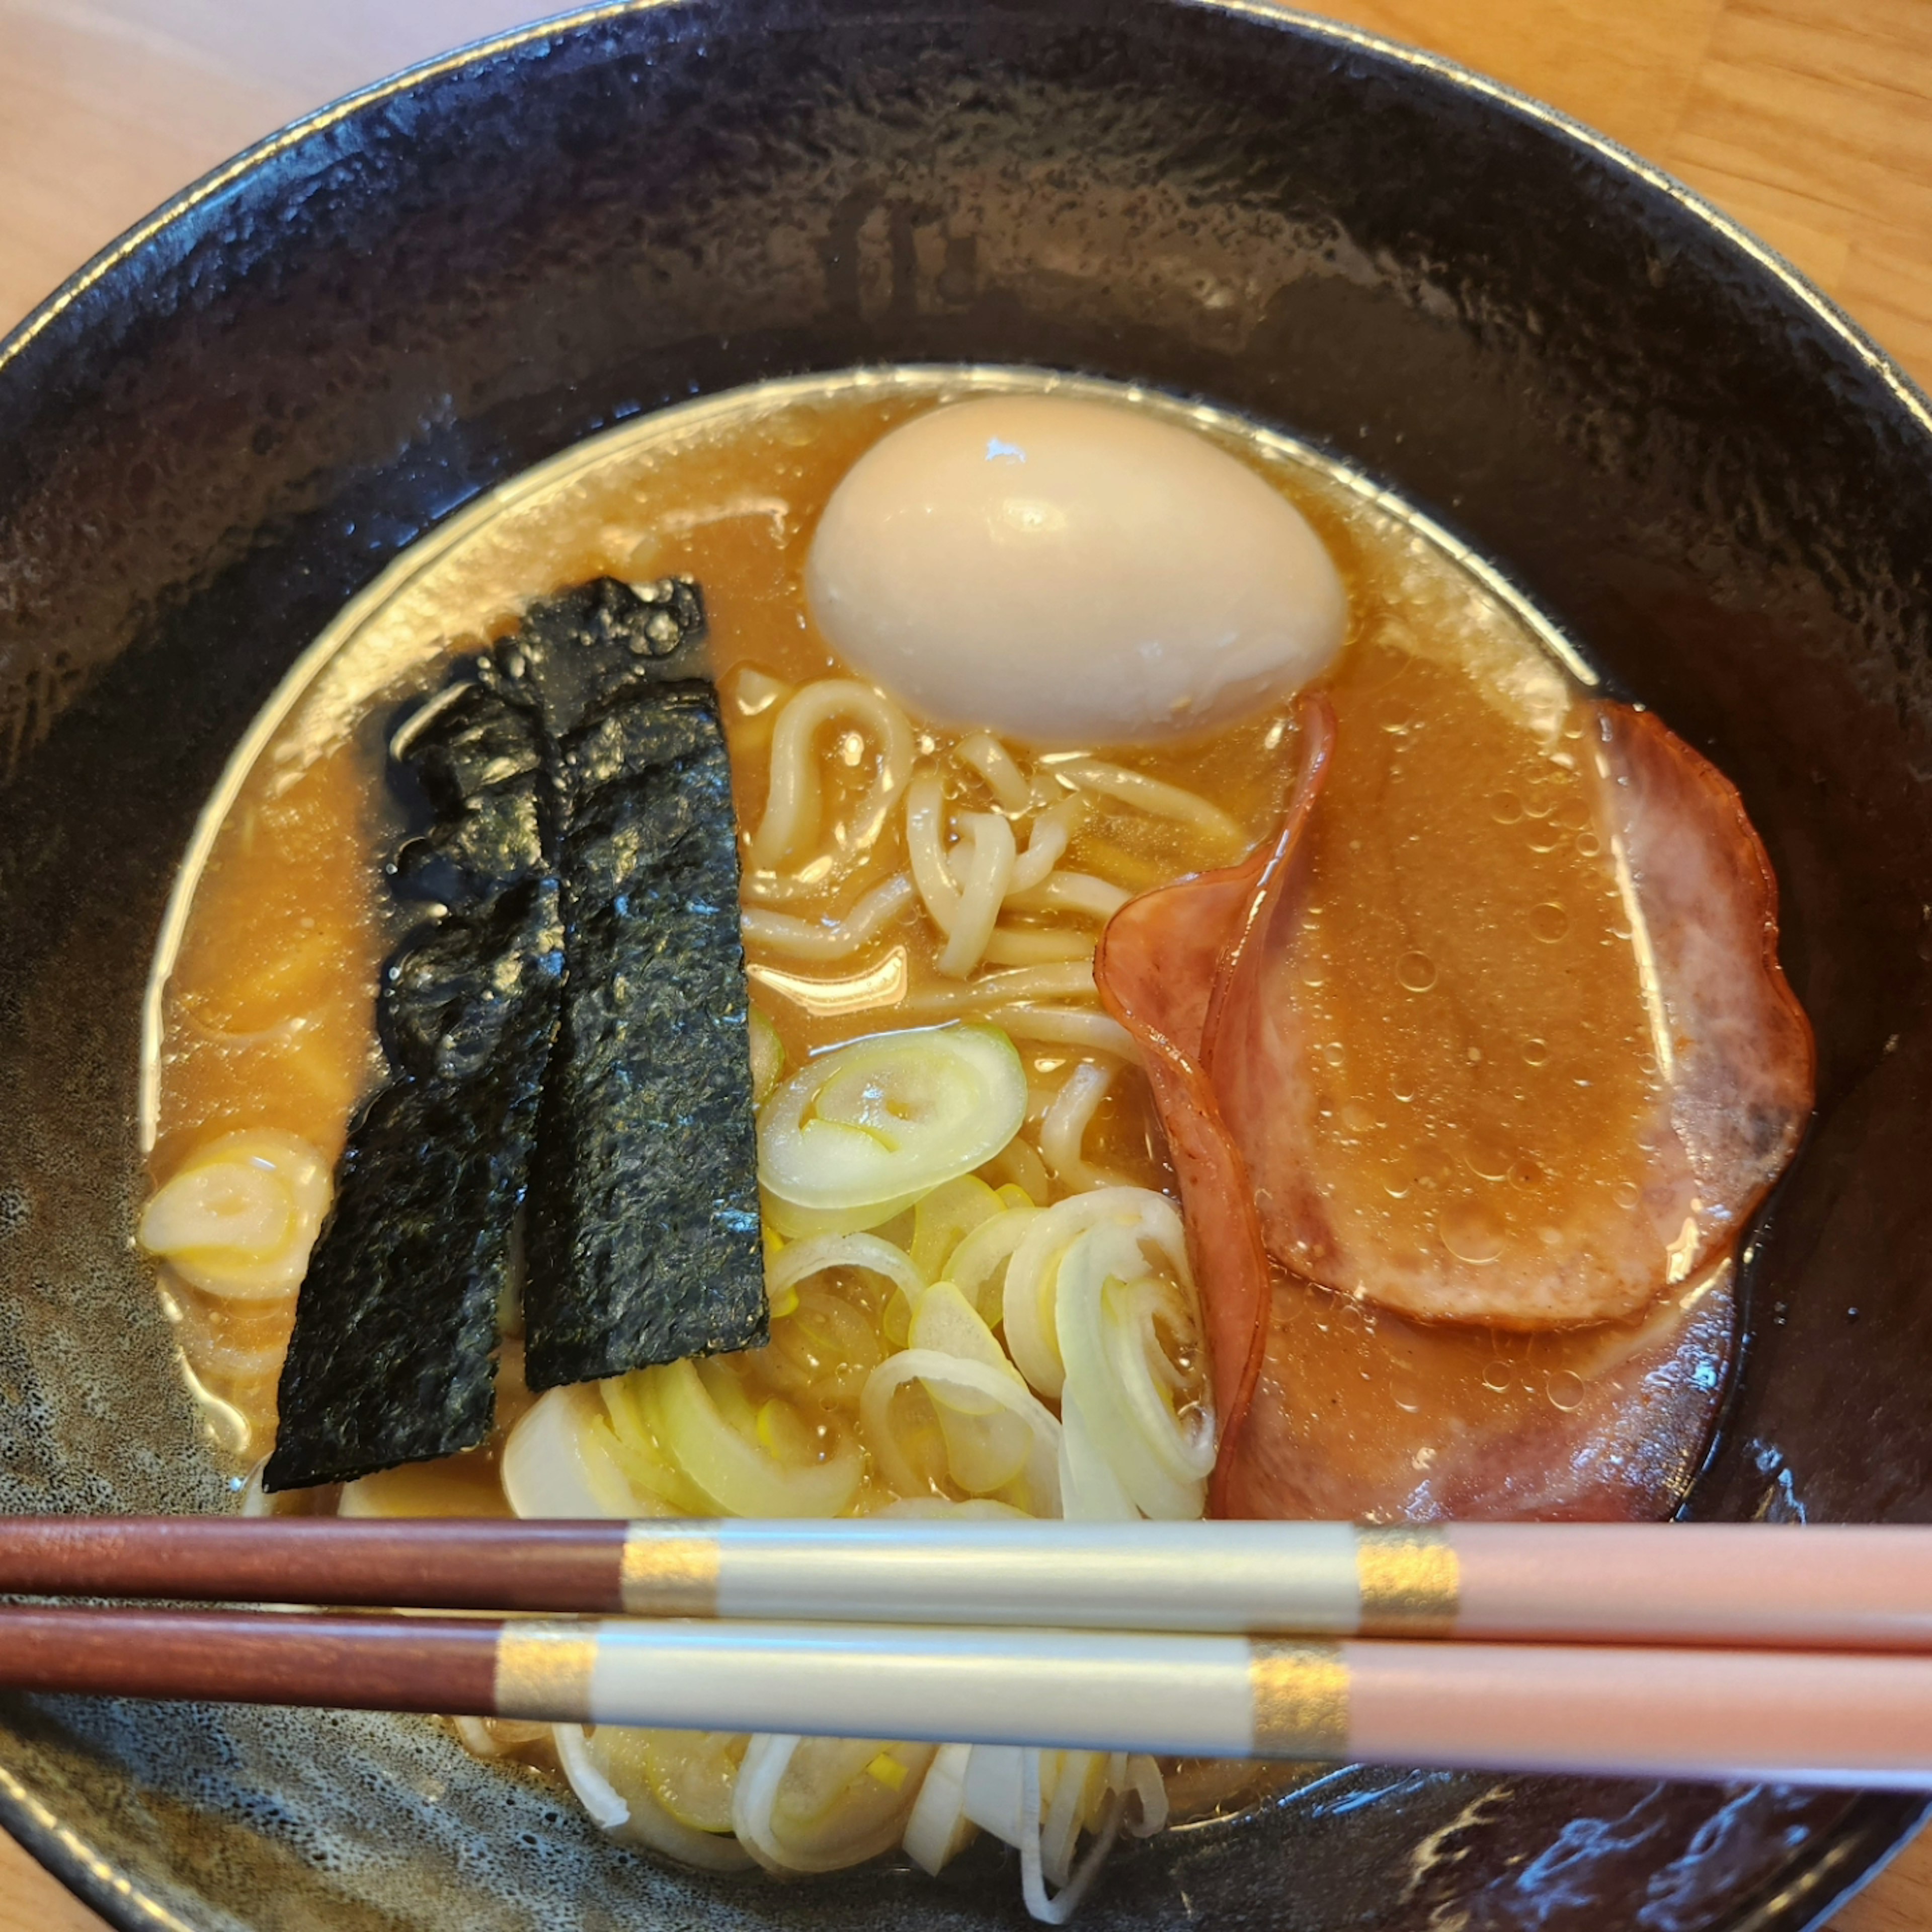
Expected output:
(1019, 946)
(991, 759)
(1071, 891)
(1067, 1026)
(792, 801)
(985, 873)
(812, 939)
(824, 874)
(1155, 796)
(1066, 980)
(1064, 1129)
(1046, 844)
(925, 848)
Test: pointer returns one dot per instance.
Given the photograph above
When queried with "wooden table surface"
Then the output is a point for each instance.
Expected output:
(1809, 120)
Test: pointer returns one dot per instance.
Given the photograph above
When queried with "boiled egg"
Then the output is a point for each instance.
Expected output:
(1070, 572)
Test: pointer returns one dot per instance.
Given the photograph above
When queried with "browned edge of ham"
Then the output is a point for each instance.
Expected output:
(1160, 969)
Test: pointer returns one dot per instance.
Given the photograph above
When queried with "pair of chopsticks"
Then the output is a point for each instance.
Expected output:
(1692, 1650)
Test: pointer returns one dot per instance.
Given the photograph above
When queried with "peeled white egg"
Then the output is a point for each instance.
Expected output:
(1069, 572)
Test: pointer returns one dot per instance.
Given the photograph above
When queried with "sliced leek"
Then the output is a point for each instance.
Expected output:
(882, 1122)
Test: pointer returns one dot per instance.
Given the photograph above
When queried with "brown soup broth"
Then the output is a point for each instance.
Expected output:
(266, 1013)
(263, 1014)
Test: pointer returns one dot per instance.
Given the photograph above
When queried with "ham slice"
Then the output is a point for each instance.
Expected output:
(1438, 1421)
(1157, 967)
(1337, 1244)
(1644, 1184)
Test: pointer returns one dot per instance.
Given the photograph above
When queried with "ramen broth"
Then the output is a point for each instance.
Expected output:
(259, 1032)
(266, 1014)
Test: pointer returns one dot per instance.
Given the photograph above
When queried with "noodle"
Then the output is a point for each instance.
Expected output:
(1071, 891)
(1156, 796)
(1035, 945)
(792, 803)
(812, 939)
(1064, 1129)
(987, 873)
(1068, 979)
(964, 901)
(925, 847)
(1047, 843)
(994, 763)
(1062, 1026)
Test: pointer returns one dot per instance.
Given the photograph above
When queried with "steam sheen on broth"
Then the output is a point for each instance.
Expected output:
(969, 723)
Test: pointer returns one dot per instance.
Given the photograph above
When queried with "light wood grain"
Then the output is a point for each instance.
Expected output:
(1810, 121)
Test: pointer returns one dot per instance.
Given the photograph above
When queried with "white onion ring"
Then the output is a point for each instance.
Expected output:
(1007, 1393)
(800, 1260)
(754, 1797)
(645, 1822)
(1028, 1298)
(608, 1809)
(1162, 1470)
(979, 1257)
(1059, 1908)
(1142, 1777)
(737, 1475)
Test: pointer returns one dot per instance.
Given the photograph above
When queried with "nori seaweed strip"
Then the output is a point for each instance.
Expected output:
(576, 654)
(392, 1357)
(590, 710)
(644, 1234)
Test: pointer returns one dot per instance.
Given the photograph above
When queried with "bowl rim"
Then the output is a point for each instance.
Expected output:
(1880, 1824)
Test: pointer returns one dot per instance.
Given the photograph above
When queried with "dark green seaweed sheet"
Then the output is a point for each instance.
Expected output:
(392, 1357)
(576, 772)
(643, 1233)
(575, 655)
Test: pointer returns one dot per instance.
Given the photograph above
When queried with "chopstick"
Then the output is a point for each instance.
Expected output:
(1845, 1587)
(1802, 1717)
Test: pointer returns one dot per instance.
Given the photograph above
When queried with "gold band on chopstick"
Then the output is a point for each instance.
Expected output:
(1299, 1693)
(668, 1572)
(543, 1670)
(1410, 1583)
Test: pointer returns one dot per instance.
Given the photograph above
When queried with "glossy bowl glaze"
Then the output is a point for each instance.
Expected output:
(232, 421)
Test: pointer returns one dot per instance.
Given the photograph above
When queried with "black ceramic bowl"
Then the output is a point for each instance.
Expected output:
(234, 419)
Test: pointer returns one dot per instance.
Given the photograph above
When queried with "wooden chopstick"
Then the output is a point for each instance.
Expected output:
(446, 1563)
(1731, 1585)
(1802, 1717)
